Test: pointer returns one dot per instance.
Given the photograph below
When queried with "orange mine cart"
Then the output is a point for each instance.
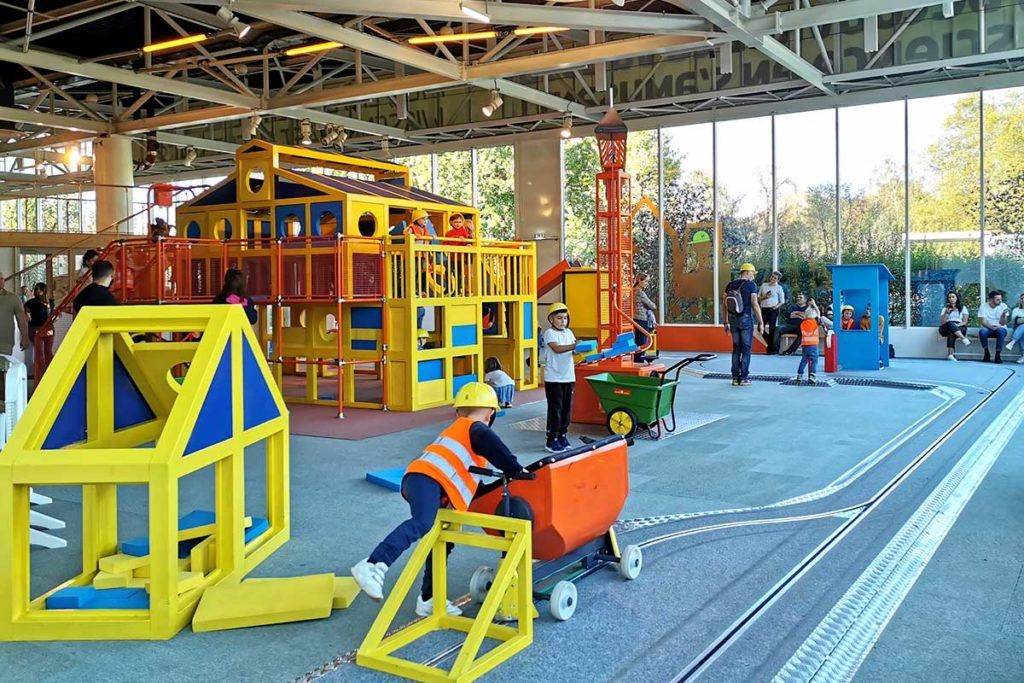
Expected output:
(572, 500)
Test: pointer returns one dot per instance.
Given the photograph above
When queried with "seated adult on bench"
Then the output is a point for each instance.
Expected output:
(794, 316)
(992, 323)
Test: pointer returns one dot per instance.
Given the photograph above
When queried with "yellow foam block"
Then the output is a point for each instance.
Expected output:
(189, 580)
(145, 572)
(345, 591)
(203, 555)
(117, 564)
(139, 583)
(104, 580)
(259, 602)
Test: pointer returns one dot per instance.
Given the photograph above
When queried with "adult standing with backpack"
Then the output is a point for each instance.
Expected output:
(742, 310)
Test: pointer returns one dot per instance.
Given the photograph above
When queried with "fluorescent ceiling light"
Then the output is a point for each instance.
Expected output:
(313, 47)
(177, 42)
(482, 35)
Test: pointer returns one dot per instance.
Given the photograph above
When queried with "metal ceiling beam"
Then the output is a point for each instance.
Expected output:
(579, 56)
(54, 140)
(728, 18)
(538, 97)
(500, 13)
(321, 28)
(848, 10)
(198, 143)
(37, 118)
(325, 118)
(111, 74)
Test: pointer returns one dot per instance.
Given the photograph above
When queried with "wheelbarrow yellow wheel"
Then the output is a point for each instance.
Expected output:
(622, 421)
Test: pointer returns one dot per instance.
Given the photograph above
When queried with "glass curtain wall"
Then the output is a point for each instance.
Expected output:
(496, 191)
(1004, 193)
(872, 194)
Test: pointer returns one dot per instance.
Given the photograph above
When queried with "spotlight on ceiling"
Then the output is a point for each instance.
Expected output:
(330, 135)
(618, 3)
(252, 127)
(566, 131)
(232, 23)
(342, 137)
(474, 14)
(92, 98)
(493, 104)
(306, 131)
(385, 147)
(190, 156)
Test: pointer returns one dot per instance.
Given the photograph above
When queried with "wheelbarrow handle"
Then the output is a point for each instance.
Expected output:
(487, 472)
(678, 367)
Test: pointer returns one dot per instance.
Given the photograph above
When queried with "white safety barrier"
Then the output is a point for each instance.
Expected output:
(16, 397)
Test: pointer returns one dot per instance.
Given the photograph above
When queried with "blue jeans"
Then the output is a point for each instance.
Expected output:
(809, 356)
(1018, 333)
(424, 497)
(506, 394)
(742, 328)
(984, 334)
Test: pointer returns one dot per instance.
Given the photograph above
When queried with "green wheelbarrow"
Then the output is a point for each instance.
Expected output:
(631, 401)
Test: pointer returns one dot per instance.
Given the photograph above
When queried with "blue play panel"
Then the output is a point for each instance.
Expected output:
(390, 479)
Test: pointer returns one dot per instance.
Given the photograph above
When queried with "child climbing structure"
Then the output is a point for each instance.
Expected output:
(340, 288)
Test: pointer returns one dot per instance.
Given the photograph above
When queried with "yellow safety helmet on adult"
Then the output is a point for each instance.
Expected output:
(477, 395)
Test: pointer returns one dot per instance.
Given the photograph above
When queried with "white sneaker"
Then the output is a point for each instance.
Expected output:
(425, 608)
(966, 341)
(1009, 344)
(370, 578)
(951, 357)
(1020, 361)
(798, 378)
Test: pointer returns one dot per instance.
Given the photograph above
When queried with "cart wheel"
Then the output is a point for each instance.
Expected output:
(563, 600)
(622, 421)
(631, 562)
(481, 582)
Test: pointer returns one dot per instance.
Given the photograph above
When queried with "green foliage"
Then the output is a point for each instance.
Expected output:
(495, 177)
(455, 176)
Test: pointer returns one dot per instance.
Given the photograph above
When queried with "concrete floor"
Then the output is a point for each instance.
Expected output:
(690, 589)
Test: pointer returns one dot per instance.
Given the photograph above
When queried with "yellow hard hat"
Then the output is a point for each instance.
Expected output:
(847, 307)
(477, 395)
(421, 334)
(418, 214)
(748, 266)
(557, 307)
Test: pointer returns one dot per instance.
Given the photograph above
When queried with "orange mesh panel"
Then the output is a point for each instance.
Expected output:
(367, 278)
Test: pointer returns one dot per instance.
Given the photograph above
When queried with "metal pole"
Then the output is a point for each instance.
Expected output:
(718, 243)
(661, 226)
(906, 213)
(981, 188)
(839, 229)
(775, 203)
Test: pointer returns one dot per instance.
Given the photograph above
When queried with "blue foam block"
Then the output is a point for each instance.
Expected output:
(259, 525)
(139, 547)
(119, 598)
(594, 357)
(588, 346)
(73, 597)
(87, 597)
(390, 479)
(623, 338)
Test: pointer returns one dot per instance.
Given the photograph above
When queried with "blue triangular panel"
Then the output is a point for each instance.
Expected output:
(258, 401)
(71, 424)
(130, 406)
(213, 424)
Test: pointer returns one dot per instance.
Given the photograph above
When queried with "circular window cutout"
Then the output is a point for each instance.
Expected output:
(367, 224)
(254, 179)
(193, 231)
(292, 225)
(328, 224)
(222, 229)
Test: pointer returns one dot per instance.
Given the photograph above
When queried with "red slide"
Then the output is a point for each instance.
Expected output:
(553, 276)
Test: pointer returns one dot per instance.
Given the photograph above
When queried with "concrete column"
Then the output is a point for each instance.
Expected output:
(112, 166)
(538, 174)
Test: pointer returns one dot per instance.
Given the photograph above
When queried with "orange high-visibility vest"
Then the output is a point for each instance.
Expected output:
(447, 461)
(809, 333)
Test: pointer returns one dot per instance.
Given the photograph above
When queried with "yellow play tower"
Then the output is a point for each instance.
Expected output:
(342, 292)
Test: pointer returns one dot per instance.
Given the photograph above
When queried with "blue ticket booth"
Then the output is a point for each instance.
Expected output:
(865, 286)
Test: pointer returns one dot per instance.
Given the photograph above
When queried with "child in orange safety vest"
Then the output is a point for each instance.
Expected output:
(440, 477)
(809, 337)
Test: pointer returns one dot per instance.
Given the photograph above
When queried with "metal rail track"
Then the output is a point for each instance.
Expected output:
(734, 631)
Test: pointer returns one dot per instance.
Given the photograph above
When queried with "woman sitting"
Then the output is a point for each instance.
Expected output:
(1017, 322)
(953, 323)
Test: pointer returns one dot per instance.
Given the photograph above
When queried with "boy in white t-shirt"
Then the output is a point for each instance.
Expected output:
(992, 323)
(559, 376)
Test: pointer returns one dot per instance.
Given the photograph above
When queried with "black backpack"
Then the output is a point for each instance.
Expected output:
(734, 298)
